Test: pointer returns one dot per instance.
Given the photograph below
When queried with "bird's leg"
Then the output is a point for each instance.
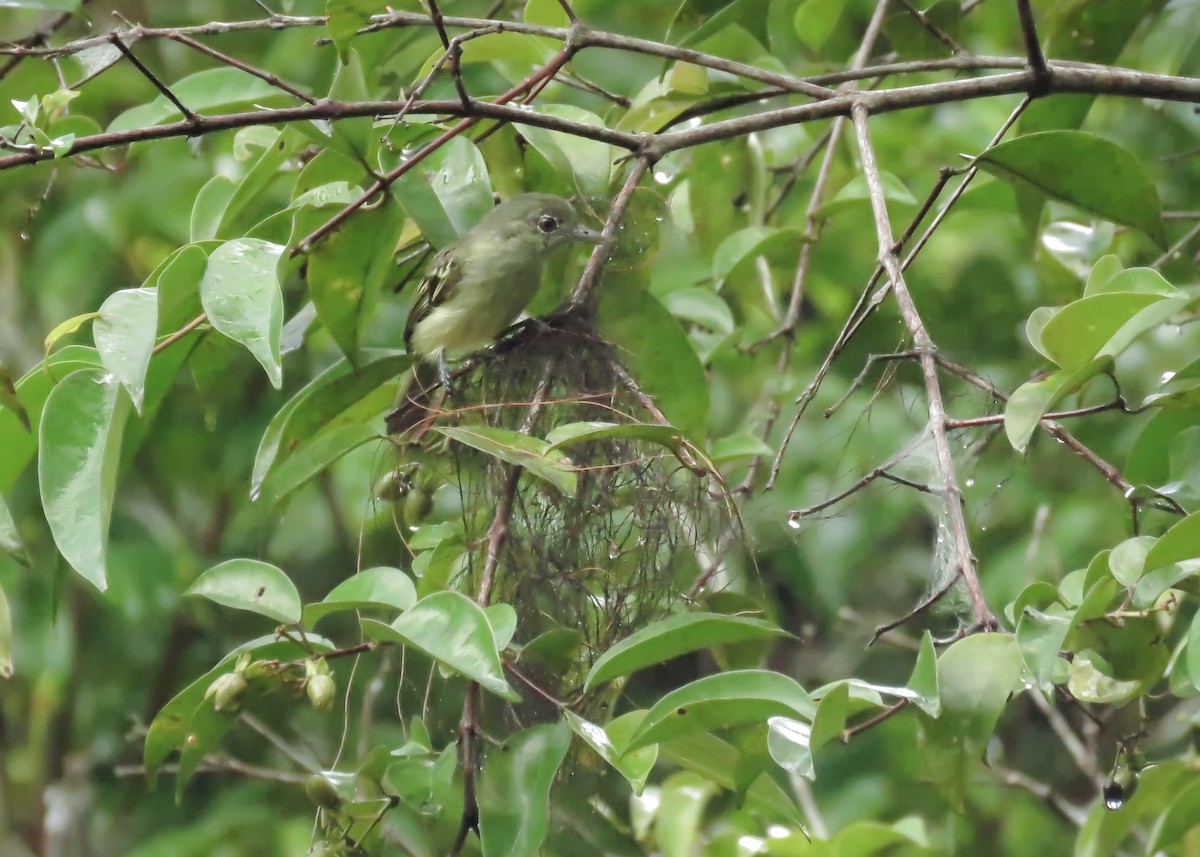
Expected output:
(443, 372)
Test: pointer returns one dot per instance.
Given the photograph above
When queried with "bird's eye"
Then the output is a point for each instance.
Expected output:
(547, 224)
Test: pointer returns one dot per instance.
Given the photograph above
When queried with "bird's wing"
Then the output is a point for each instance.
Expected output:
(435, 288)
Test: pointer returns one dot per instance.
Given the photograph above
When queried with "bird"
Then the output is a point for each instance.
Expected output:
(477, 286)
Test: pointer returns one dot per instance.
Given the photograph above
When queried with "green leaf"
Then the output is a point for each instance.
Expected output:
(1182, 815)
(585, 163)
(461, 182)
(830, 720)
(610, 742)
(1090, 31)
(815, 21)
(169, 729)
(314, 457)
(6, 638)
(743, 247)
(674, 636)
(240, 293)
(1089, 680)
(66, 328)
(209, 208)
(10, 539)
(340, 396)
(700, 307)
(1127, 562)
(347, 270)
(681, 802)
(124, 335)
(514, 790)
(723, 700)
(1193, 650)
(696, 20)
(346, 17)
(453, 630)
(570, 434)
(1149, 461)
(1084, 329)
(1104, 831)
(177, 283)
(975, 677)
(45, 5)
(1180, 542)
(1041, 633)
(80, 448)
(735, 446)
(224, 88)
(924, 679)
(857, 193)
(249, 584)
(246, 202)
(531, 453)
(503, 619)
(717, 761)
(656, 351)
(1087, 171)
(789, 743)
(520, 49)
(371, 588)
(10, 401)
(1033, 400)
(18, 441)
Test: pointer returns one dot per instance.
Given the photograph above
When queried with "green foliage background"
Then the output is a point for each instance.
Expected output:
(1087, 676)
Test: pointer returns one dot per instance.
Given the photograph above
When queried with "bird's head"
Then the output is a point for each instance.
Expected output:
(551, 219)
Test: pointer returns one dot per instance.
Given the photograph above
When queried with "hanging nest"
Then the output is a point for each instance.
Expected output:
(588, 558)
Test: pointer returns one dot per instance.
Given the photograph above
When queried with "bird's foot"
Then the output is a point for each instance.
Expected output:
(444, 374)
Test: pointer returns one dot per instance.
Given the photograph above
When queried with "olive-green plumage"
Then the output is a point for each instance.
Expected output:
(477, 286)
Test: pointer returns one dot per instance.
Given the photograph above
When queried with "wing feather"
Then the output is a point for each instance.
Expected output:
(435, 288)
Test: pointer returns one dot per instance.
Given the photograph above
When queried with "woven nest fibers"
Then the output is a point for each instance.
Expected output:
(593, 537)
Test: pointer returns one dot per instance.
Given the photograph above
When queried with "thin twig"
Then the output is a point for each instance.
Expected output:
(115, 39)
(1033, 50)
(924, 604)
(887, 713)
(549, 70)
(1050, 796)
(584, 292)
(1174, 249)
(453, 53)
(950, 490)
(933, 29)
(38, 37)
(171, 339)
(272, 79)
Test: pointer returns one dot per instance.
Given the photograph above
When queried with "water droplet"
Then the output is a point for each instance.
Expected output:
(794, 521)
(1166, 376)
(970, 483)
(24, 236)
(1113, 803)
(662, 177)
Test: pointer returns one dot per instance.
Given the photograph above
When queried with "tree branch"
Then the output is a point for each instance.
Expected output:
(923, 344)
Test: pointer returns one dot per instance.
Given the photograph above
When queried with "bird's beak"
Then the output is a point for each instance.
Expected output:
(582, 233)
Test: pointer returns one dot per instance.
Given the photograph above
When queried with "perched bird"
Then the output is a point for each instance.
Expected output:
(477, 286)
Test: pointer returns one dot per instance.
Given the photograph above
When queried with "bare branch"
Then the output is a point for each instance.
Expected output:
(191, 117)
(1033, 50)
(950, 490)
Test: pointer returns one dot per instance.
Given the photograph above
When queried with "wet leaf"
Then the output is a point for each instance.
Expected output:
(80, 447)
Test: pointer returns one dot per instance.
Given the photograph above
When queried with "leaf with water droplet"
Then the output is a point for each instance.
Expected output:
(80, 447)
(124, 335)
(240, 293)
